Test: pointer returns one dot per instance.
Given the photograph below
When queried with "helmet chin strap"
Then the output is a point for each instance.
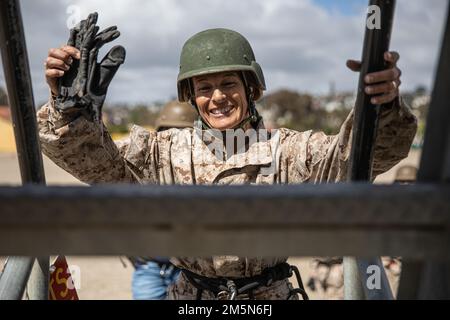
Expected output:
(254, 118)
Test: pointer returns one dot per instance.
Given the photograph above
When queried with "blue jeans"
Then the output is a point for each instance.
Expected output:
(150, 281)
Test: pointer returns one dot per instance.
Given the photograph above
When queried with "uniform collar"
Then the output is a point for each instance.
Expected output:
(210, 156)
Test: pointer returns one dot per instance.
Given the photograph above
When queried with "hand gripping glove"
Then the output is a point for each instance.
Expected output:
(83, 88)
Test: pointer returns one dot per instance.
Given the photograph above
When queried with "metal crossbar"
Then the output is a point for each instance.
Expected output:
(356, 219)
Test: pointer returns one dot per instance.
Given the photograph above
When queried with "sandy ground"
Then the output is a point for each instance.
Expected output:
(106, 277)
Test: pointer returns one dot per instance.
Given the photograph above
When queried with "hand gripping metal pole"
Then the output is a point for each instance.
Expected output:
(20, 94)
(376, 42)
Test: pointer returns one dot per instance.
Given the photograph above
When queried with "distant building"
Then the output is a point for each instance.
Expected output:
(335, 101)
(420, 101)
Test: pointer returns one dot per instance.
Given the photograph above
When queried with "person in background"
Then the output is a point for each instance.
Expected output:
(406, 174)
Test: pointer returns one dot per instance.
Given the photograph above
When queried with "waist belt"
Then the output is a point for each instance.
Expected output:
(231, 288)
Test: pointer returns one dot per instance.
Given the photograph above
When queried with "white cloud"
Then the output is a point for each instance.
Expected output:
(299, 44)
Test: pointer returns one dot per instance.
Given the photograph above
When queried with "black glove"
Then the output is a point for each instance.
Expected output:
(83, 88)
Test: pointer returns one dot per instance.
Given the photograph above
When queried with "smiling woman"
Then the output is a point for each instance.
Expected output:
(221, 100)
(221, 79)
(219, 75)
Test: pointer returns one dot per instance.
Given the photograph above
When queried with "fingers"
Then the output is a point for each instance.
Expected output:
(115, 56)
(108, 36)
(72, 51)
(85, 28)
(391, 74)
(381, 76)
(384, 83)
(60, 60)
(92, 19)
(66, 54)
(52, 76)
(354, 65)
(103, 39)
(88, 57)
(383, 88)
(54, 73)
(113, 28)
(89, 37)
(91, 27)
(386, 98)
(85, 25)
(392, 57)
(53, 63)
(110, 64)
(105, 36)
(73, 37)
(386, 92)
(57, 63)
(60, 54)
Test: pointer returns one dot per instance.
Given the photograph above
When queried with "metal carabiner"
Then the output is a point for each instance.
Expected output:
(232, 289)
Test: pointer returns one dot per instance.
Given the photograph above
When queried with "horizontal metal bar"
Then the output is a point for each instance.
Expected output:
(204, 242)
(327, 204)
(334, 219)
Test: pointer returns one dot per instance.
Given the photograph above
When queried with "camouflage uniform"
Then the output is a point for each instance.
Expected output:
(175, 156)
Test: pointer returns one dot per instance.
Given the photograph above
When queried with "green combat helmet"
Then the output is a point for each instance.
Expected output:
(218, 50)
(406, 174)
(176, 115)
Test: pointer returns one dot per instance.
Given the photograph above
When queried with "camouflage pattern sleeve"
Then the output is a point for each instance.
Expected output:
(396, 131)
(327, 156)
(82, 148)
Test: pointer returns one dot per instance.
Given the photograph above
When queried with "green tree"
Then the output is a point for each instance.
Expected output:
(141, 115)
(420, 90)
(299, 111)
(295, 110)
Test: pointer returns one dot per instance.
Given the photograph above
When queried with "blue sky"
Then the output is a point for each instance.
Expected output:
(301, 45)
(345, 7)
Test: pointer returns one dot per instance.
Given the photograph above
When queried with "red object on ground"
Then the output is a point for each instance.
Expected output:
(61, 286)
